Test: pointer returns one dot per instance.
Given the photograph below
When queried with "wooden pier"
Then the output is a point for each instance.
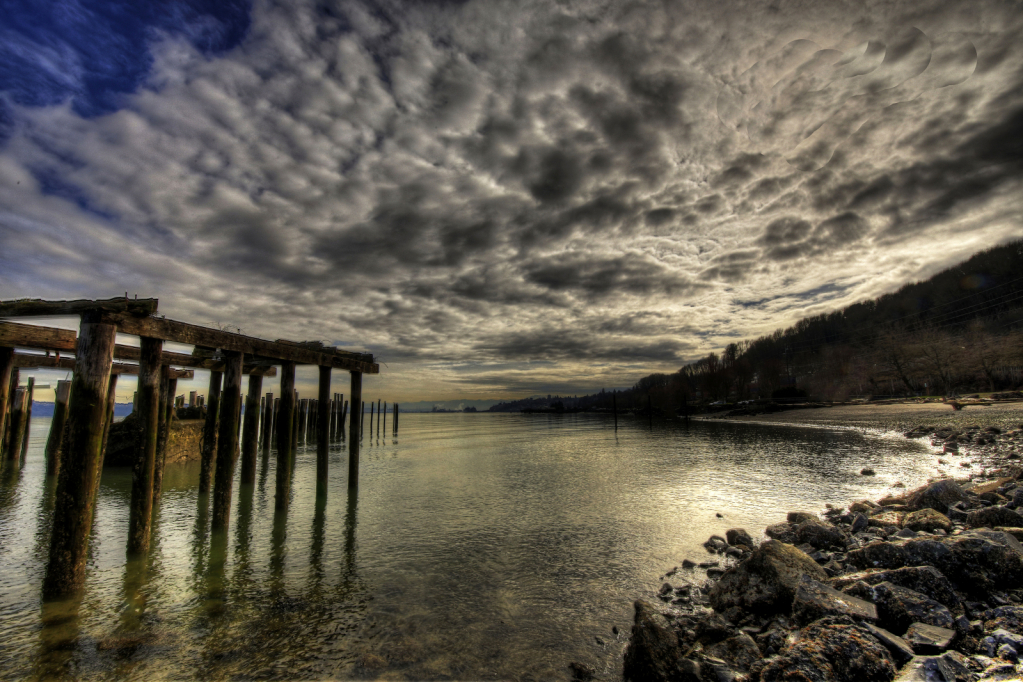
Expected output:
(84, 411)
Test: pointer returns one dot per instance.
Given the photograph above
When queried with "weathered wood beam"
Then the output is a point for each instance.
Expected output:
(323, 431)
(143, 469)
(122, 352)
(78, 480)
(29, 361)
(35, 307)
(183, 332)
(209, 433)
(227, 441)
(250, 430)
(55, 441)
(15, 335)
(285, 436)
(354, 425)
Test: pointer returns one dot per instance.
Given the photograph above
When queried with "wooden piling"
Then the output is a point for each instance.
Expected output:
(362, 414)
(77, 481)
(286, 409)
(268, 420)
(55, 439)
(384, 415)
(6, 370)
(209, 433)
(12, 386)
(143, 470)
(227, 439)
(614, 408)
(111, 402)
(250, 436)
(192, 395)
(323, 430)
(396, 410)
(378, 417)
(296, 416)
(344, 414)
(372, 413)
(650, 410)
(29, 395)
(166, 414)
(354, 426)
(332, 426)
(18, 418)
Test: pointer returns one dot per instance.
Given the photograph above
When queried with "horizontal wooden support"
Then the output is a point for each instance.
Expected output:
(182, 332)
(34, 307)
(262, 369)
(173, 373)
(28, 361)
(14, 335)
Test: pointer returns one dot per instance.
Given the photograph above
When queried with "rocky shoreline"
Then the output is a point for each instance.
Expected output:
(927, 585)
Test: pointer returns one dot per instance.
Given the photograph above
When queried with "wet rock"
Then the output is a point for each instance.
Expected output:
(867, 471)
(820, 535)
(766, 582)
(939, 495)
(688, 563)
(886, 518)
(798, 517)
(581, 671)
(899, 648)
(713, 628)
(814, 600)
(926, 580)
(928, 639)
(993, 516)
(783, 532)
(899, 607)
(739, 536)
(878, 555)
(1005, 617)
(739, 651)
(1001, 637)
(716, 543)
(976, 562)
(928, 520)
(832, 649)
(653, 653)
(859, 522)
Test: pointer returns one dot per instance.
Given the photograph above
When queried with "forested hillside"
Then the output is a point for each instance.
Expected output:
(961, 330)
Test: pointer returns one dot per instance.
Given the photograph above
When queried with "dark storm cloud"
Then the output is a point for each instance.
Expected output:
(452, 182)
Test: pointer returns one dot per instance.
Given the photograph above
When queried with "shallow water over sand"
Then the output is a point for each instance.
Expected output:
(480, 546)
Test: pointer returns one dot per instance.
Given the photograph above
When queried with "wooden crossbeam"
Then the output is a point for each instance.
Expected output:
(29, 361)
(14, 335)
(34, 307)
(183, 332)
(122, 352)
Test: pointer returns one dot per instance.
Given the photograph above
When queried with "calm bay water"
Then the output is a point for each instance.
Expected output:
(483, 546)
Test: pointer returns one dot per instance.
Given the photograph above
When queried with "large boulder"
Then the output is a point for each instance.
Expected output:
(991, 517)
(926, 580)
(939, 495)
(832, 649)
(820, 535)
(766, 582)
(928, 520)
(815, 600)
(739, 651)
(976, 562)
(653, 653)
(878, 555)
(898, 608)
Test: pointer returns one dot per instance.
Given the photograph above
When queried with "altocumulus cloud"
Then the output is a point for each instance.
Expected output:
(467, 188)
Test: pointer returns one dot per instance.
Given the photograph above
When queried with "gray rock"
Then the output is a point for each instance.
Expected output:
(928, 639)
(928, 520)
(939, 495)
(993, 643)
(976, 562)
(878, 554)
(993, 516)
(859, 522)
(783, 532)
(923, 579)
(954, 667)
(653, 652)
(899, 607)
(899, 648)
(739, 651)
(798, 517)
(832, 649)
(766, 582)
(716, 543)
(820, 535)
(815, 600)
(739, 536)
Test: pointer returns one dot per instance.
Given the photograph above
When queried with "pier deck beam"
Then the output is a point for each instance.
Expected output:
(79, 473)
(143, 470)
(227, 440)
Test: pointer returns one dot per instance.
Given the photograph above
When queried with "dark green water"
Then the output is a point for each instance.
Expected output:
(478, 547)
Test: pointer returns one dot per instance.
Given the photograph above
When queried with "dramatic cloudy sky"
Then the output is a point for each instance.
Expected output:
(504, 198)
